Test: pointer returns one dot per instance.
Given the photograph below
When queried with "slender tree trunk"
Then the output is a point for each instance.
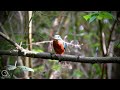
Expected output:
(116, 66)
(25, 59)
(30, 39)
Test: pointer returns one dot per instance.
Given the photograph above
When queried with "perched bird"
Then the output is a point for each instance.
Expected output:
(59, 45)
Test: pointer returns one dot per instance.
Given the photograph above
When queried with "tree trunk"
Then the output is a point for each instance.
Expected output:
(116, 66)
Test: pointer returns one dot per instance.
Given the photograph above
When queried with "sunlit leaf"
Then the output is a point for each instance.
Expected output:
(11, 67)
(24, 68)
(99, 17)
(87, 17)
(104, 15)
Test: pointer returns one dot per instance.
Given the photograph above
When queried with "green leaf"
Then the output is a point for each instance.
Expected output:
(24, 68)
(11, 67)
(87, 17)
(77, 73)
(92, 19)
(105, 15)
(99, 17)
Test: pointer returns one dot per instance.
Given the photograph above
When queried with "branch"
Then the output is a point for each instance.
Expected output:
(103, 47)
(38, 43)
(72, 58)
(10, 41)
(110, 36)
(102, 39)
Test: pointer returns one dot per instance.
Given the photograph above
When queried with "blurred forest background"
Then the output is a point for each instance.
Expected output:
(98, 31)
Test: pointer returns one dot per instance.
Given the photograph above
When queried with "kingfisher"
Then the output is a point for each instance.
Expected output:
(59, 45)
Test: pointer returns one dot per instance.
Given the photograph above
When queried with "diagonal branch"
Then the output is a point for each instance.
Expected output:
(10, 41)
(110, 36)
(72, 58)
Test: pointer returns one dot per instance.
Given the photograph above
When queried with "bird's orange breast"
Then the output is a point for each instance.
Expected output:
(58, 47)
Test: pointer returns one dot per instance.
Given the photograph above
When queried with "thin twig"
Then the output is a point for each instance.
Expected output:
(110, 36)
(38, 43)
(10, 41)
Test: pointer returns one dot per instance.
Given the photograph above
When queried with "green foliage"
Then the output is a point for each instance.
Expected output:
(4, 45)
(98, 69)
(104, 15)
(95, 71)
(24, 68)
(13, 70)
(17, 71)
(56, 67)
(11, 60)
(11, 67)
(87, 17)
(92, 19)
(77, 73)
(117, 44)
(98, 15)
(39, 69)
(37, 49)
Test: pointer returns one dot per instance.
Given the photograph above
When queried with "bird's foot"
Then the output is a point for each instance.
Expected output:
(59, 56)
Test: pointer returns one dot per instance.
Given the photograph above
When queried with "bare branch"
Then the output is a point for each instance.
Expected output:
(10, 41)
(110, 36)
(38, 43)
(72, 58)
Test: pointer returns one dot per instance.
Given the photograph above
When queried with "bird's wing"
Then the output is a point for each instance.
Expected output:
(65, 45)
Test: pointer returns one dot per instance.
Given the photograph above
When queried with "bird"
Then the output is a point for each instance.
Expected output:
(59, 45)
